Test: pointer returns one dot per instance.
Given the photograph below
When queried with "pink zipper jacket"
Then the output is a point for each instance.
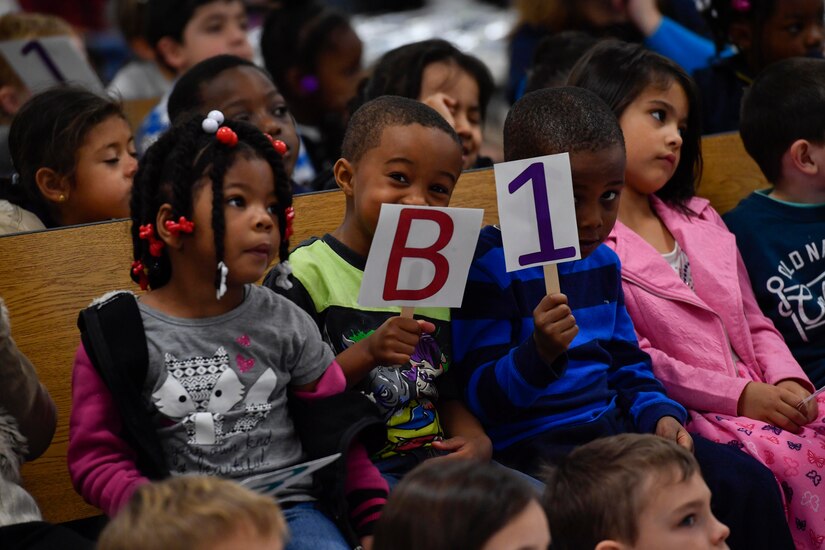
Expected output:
(688, 334)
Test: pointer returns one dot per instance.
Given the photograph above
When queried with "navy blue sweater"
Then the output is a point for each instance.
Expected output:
(521, 399)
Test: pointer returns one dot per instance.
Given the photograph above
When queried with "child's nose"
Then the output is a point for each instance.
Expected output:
(675, 138)
(263, 219)
(414, 198)
(815, 37)
(588, 218)
(720, 531)
(131, 167)
(270, 125)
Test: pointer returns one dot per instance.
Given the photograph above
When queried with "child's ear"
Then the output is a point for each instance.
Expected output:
(801, 156)
(172, 53)
(11, 99)
(164, 214)
(344, 175)
(611, 545)
(54, 187)
(741, 35)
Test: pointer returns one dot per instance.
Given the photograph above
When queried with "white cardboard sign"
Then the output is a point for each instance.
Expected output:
(272, 483)
(420, 256)
(44, 62)
(536, 211)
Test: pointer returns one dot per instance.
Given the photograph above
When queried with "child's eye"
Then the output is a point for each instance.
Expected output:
(235, 201)
(273, 209)
(280, 111)
(794, 29)
(399, 177)
(659, 115)
(440, 189)
(610, 196)
(112, 161)
(688, 521)
(241, 116)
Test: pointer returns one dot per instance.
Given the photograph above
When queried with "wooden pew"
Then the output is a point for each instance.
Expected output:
(729, 174)
(47, 277)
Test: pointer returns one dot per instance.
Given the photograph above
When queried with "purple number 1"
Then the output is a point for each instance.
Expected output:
(547, 249)
(38, 48)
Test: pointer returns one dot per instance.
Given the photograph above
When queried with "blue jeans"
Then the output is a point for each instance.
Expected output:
(311, 529)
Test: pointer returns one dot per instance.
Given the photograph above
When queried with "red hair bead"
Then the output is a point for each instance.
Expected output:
(227, 136)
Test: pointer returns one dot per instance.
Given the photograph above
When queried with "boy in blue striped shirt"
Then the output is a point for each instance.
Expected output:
(546, 373)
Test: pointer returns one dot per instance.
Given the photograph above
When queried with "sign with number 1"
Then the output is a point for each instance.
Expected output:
(45, 62)
(538, 221)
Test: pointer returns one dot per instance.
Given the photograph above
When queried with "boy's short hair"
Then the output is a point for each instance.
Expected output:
(599, 491)
(558, 120)
(186, 95)
(170, 17)
(785, 103)
(368, 123)
(190, 512)
(19, 26)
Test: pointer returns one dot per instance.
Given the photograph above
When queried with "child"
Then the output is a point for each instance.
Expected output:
(763, 31)
(75, 160)
(201, 512)
(396, 151)
(462, 505)
(314, 57)
(241, 91)
(779, 232)
(435, 72)
(13, 92)
(185, 32)
(142, 77)
(687, 290)
(544, 376)
(209, 209)
(631, 491)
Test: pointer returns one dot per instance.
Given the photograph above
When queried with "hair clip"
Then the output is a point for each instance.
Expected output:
(282, 278)
(139, 271)
(212, 121)
(147, 233)
(181, 226)
(227, 136)
(220, 282)
(742, 6)
(15, 179)
(309, 84)
(289, 213)
(277, 144)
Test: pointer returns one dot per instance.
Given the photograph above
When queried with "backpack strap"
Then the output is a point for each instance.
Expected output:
(113, 336)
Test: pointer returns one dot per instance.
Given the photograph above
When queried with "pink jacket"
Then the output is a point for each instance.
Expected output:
(689, 335)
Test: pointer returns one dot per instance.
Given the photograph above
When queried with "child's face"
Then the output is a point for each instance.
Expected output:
(652, 125)
(219, 27)
(244, 93)
(251, 234)
(598, 179)
(678, 515)
(412, 165)
(527, 531)
(464, 107)
(796, 29)
(339, 70)
(106, 166)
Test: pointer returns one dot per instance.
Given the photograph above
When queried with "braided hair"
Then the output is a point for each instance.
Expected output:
(170, 171)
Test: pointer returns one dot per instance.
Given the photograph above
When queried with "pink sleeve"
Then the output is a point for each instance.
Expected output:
(101, 464)
(330, 383)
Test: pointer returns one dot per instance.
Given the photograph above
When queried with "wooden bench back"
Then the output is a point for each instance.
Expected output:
(46, 278)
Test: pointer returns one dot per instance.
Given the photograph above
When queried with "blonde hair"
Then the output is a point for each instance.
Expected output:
(19, 26)
(186, 512)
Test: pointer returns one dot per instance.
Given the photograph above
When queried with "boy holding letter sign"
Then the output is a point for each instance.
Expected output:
(543, 381)
(396, 151)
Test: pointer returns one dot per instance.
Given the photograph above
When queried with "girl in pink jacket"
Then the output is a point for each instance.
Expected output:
(688, 292)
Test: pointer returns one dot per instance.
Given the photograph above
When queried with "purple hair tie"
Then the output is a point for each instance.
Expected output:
(742, 6)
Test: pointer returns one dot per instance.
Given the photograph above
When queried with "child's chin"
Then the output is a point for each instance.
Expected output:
(586, 249)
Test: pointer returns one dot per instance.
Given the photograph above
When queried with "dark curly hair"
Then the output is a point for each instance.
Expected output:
(169, 173)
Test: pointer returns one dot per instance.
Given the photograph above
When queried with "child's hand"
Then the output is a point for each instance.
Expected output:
(670, 428)
(773, 404)
(478, 448)
(443, 104)
(555, 327)
(811, 409)
(394, 341)
(366, 542)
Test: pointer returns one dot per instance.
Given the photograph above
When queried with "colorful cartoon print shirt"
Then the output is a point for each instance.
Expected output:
(326, 280)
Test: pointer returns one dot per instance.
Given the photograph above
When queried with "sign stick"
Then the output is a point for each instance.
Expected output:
(407, 312)
(551, 279)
